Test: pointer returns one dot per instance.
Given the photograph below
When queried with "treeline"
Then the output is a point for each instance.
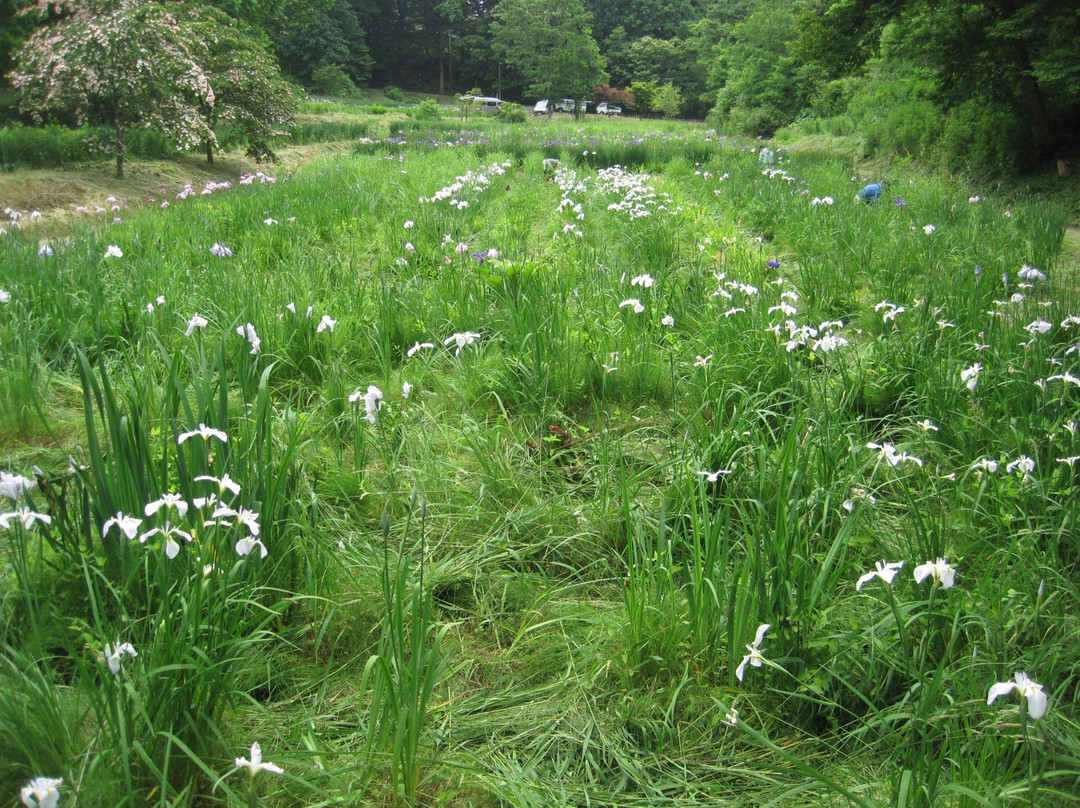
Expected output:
(990, 85)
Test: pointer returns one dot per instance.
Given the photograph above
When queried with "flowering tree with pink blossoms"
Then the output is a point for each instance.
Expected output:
(124, 62)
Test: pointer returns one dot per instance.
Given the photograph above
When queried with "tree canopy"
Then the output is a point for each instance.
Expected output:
(249, 93)
(333, 35)
(1017, 58)
(550, 42)
(764, 87)
(995, 83)
(128, 65)
(132, 64)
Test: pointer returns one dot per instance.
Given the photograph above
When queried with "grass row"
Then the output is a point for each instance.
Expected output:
(534, 454)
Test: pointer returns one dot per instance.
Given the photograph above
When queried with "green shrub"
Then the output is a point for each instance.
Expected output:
(333, 80)
(896, 114)
(832, 98)
(374, 109)
(834, 125)
(668, 101)
(512, 113)
(839, 126)
(429, 110)
(983, 138)
(394, 93)
(908, 129)
(644, 92)
(763, 120)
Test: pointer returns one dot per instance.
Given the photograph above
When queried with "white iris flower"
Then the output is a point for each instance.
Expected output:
(256, 764)
(886, 571)
(754, 657)
(1030, 692)
(41, 792)
(115, 654)
(128, 525)
(938, 570)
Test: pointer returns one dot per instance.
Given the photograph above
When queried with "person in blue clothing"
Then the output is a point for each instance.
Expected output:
(871, 193)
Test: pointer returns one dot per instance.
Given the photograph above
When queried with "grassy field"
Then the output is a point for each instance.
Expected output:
(657, 477)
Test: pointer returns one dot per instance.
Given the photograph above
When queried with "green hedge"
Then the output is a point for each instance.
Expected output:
(328, 131)
(51, 146)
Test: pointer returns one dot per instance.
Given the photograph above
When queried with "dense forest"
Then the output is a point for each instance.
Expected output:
(992, 85)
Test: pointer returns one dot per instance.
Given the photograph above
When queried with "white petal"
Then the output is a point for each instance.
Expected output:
(742, 668)
(1036, 703)
(863, 579)
(999, 689)
(948, 577)
(760, 634)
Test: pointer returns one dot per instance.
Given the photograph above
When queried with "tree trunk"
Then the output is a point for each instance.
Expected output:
(1037, 118)
(209, 152)
(1036, 107)
(120, 147)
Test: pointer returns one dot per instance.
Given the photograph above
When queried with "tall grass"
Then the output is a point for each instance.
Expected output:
(535, 455)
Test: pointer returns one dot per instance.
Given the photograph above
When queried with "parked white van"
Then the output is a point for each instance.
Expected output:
(540, 107)
(486, 105)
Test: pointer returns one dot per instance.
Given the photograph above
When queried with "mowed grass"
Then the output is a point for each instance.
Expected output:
(467, 480)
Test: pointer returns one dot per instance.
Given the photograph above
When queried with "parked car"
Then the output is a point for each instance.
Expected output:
(490, 106)
(565, 105)
(608, 109)
(540, 107)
